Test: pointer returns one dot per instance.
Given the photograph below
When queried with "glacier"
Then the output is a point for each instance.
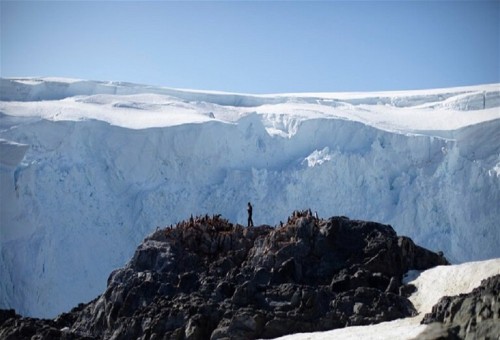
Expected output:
(89, 168)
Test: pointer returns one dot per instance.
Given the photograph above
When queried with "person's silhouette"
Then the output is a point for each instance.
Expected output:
(249, 209)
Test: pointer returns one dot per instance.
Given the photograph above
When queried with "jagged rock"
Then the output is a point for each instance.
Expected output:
(244, 294)
(15, 328)
(393, 286)
(467, 316)
(7, 314)
(407, 290)
(209, 279)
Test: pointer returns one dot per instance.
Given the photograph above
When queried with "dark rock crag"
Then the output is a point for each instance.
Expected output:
(475, 315)
(209, 279)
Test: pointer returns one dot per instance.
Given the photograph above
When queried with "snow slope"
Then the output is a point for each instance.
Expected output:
(432, 285)
(89, 168)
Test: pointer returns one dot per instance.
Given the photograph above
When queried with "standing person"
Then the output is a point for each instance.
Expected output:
(249, 209)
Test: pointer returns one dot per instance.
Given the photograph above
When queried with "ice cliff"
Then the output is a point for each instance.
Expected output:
(89, 168)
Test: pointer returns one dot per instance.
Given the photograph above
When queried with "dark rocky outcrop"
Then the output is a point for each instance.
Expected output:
(15, 327)
(209, 279)
(475, 315)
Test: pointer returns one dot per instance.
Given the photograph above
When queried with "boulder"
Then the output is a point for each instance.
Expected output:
(475, 315)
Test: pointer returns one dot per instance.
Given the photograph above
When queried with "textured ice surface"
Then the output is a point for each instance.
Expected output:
(88, 169)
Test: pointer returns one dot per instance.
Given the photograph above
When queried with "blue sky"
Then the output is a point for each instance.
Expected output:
(256, 47)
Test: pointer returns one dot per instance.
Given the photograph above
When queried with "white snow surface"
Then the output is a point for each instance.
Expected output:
(88, 169)
(431, 285)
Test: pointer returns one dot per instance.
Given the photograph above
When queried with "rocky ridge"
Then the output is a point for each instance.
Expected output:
(207, 278)
(475, 315)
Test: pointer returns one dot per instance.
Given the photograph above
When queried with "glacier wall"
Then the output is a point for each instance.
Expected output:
(78, 196)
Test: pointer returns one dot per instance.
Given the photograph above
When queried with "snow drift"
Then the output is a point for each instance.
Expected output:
(89, 168)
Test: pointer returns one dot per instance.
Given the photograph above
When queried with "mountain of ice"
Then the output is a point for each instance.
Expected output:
(88, 168)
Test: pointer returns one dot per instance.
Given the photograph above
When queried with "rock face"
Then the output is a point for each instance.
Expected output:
(475, 315)
(209, 279)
